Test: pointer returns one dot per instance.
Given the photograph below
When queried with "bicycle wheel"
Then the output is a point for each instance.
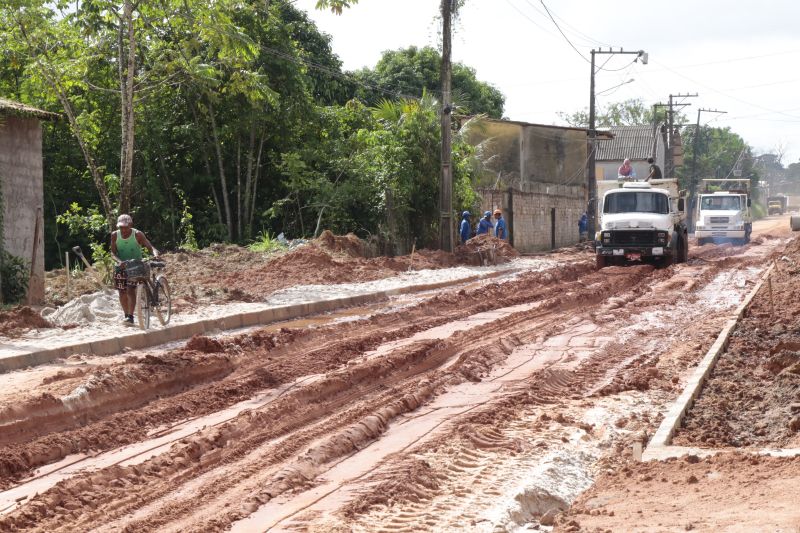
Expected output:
(163, 298)
(143, 305)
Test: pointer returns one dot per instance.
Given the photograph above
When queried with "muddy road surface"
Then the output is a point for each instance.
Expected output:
(482, 407)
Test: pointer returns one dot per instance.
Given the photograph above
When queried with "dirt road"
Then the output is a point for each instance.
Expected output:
(479, 407)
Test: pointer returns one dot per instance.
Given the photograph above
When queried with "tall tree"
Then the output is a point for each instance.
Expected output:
(631, 112)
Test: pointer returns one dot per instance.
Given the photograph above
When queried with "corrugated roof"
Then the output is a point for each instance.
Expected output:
(10, 107)
(631, 142)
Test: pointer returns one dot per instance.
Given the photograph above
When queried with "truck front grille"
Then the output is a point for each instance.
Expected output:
(718, 220)
(633, 238)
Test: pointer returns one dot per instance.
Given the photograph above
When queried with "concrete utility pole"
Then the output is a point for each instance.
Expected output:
(446, 183)
(669, 165)
(693, 182)
(591, 171)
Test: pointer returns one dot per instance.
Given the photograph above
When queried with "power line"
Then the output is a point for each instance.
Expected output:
(562, 32)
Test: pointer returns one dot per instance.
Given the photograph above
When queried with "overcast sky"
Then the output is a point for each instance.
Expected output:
(740, 57)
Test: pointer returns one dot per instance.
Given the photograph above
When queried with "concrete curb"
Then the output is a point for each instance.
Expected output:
(659, 446)
(146, 339)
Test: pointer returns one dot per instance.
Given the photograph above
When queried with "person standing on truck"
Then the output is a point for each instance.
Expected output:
(500, 230)
(465, 229)
(485, 224)
(126, 244)
(655, 171)
(626, 171)
(583, 227)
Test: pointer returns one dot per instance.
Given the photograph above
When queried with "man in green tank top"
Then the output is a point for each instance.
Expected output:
(126, 244)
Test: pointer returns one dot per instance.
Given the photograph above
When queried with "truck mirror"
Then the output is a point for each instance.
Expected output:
(681, 204)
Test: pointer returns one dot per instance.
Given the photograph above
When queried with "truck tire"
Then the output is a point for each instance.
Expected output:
(748, 229)
(601, 261)
(684, 249)
(794, 221)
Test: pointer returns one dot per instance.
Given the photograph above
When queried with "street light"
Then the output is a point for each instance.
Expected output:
(591, 177)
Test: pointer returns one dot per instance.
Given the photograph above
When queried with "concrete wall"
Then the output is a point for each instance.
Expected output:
(539, 215)
(21, 175)
(516, 154)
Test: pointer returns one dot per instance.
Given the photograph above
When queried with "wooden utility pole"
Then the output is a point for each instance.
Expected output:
(446, 183)
(669, 162)
(591, 171)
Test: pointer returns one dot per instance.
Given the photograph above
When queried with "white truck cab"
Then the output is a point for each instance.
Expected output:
(641, 221)
(724, 214)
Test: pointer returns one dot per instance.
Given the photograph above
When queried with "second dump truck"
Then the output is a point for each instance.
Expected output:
(777, 205)
(724, 214)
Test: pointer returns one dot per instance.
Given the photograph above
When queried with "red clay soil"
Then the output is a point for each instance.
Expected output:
(19, 320)
(726, 492)
(753, 395)
(485, 249)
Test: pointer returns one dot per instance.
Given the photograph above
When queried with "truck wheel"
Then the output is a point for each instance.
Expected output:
(601, 261)
(748, 229)
(794, 222)
(683, 255)
(701, 241)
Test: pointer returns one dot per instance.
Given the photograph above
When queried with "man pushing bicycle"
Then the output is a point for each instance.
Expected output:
(126, 244)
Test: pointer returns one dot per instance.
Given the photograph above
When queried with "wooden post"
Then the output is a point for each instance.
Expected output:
(35, 255)
(66, 263)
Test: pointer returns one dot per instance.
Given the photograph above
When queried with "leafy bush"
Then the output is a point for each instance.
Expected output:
(265, 243)
(14, 272)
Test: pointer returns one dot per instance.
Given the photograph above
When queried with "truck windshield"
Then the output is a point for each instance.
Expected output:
(636, 202)
(720, 203)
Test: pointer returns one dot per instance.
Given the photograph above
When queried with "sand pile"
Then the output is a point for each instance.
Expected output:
(101, 306)
(347, 244)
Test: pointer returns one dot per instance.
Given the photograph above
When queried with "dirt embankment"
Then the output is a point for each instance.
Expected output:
(727, 492)
(223, 273)
(753, 395)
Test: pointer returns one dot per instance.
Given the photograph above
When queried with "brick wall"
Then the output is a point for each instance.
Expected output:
(539, 214)
(21, 177)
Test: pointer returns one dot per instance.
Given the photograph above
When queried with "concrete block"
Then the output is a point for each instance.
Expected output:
(252, 318)
(105, 346)
(135, 341)
(230, 322)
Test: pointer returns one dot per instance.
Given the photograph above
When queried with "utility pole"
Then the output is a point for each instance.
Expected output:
(446, 183)
(591, 171)
(669, 163)
(693, 182)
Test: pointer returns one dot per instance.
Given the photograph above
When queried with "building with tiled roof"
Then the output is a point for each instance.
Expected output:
(636, 143)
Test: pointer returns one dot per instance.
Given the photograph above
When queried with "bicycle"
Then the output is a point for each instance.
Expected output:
(152, 291)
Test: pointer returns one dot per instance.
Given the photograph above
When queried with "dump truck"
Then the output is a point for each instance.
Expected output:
(641, 222)
(777, 205)
(724, 214)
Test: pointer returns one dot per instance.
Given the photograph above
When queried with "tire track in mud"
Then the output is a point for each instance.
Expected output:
(261, 360)
(257, 444)
(253, 434)
(630, 366)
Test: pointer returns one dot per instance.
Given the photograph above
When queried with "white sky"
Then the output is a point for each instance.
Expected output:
(736, 55)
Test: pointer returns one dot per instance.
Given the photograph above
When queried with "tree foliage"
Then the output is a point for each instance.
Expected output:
(720, 152)
(631, 112)
(241, 123)
(412, 71)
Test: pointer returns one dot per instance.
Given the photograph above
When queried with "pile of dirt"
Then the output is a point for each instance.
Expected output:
(753, 395)
(486, 250)
(347, 244)
(20, 319)
(55, 292)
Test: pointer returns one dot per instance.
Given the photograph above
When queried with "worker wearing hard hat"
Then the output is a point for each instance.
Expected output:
(485, 224)
(500, 230)
(465, 228)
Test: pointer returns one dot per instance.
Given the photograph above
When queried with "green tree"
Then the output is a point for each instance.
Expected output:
(412, 71)
(631, 112)
(719, 152)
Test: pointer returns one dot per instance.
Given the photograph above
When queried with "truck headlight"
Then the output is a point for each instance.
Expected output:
(606, 236)
(662, 237)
